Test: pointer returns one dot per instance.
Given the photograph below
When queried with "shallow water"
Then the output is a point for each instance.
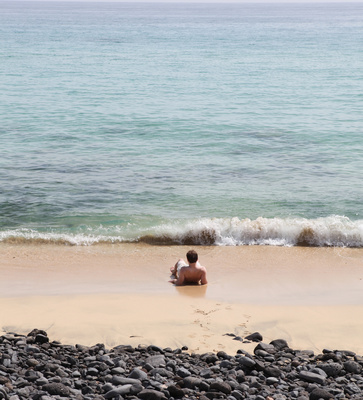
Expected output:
(200, 124)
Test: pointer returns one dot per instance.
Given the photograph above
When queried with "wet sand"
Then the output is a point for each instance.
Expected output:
(119, 294)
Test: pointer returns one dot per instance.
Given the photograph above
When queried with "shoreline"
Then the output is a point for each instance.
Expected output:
(311, 297)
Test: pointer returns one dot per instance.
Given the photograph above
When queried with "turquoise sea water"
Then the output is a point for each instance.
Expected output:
(181, 123)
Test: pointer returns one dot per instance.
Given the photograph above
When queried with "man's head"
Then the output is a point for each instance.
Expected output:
(192, 256)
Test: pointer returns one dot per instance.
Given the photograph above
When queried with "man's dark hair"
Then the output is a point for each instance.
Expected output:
(192, 256)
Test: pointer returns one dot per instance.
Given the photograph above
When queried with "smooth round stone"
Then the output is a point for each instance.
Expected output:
(107, 360)
(156, 361)
(352, 367)
(311, 377)
(42, 381)
(271, 380)
(319, 393)
(32, 349)
(92, 371)
(223, 387)
(273, 372)
(331, 369)
(136, 388)
(107, 387)
(254, 337)
(117, 371)
(205, 373)
(32, 362)
(269, 348)
(120, 391)
(183, 372)
(237, 394)
(155, 348)
(151, 394)
(279, 344)
(24, 392)
(247, 362)
(191, 382)
(57, 389)
(120, 380)
(137, 373)
(175, 392)
(41, 338)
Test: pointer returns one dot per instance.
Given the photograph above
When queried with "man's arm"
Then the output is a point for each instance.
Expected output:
(181, 278)
(203, 279)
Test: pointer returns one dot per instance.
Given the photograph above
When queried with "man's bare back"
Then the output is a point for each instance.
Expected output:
(192, 273)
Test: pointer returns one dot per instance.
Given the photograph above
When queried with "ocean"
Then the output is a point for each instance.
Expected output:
(198, 124)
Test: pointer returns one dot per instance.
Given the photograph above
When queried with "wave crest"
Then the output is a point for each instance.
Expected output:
(333, 231)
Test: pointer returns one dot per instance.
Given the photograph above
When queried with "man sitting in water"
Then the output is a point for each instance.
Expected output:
(186, 274)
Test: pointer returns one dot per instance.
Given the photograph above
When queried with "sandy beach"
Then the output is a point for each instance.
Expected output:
(120, 294)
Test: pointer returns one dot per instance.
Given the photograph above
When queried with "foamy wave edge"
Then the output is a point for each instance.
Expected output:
(332, 231)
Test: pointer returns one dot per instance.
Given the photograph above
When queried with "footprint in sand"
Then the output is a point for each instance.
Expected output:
(205, 312)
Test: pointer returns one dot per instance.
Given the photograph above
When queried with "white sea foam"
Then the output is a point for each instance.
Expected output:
(33, 236)
(330, 231)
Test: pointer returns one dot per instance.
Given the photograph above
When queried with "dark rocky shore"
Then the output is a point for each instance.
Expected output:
(32, 367)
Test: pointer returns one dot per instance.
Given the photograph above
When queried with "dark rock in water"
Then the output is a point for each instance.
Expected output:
(57, 389)
(318, 393)
(254, 337)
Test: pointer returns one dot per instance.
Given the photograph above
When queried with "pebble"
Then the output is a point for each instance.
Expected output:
(34, 368)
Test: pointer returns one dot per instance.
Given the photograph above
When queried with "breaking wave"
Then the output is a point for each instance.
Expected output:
(332, 231)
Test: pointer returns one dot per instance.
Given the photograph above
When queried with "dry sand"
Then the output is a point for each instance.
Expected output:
(119, 294)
